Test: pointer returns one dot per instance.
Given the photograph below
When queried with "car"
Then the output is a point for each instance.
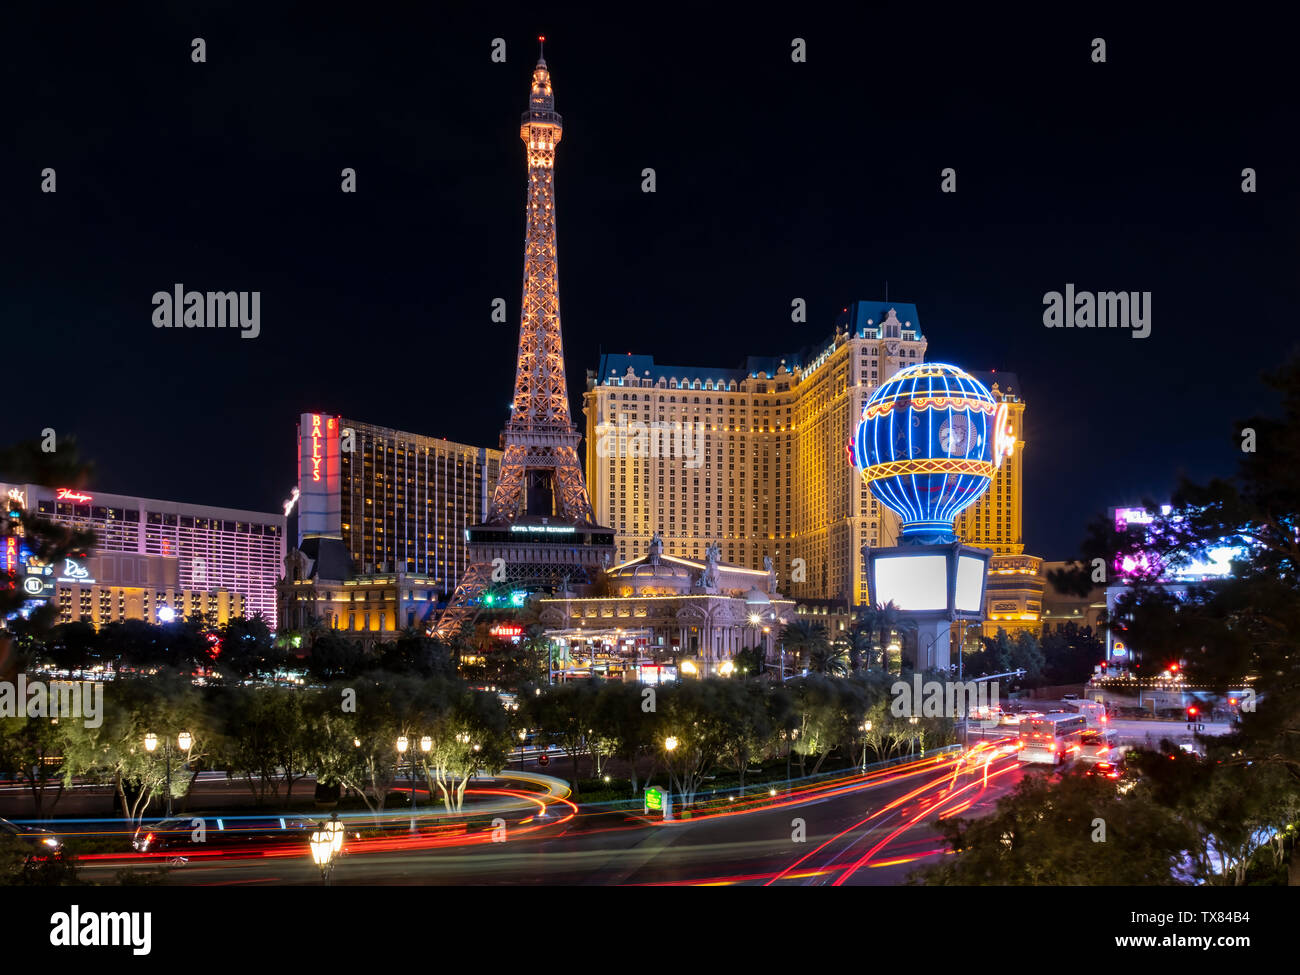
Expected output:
(192, 834)
(1069, 697)
(1107, 770)
(40, 842)
(1010, 717)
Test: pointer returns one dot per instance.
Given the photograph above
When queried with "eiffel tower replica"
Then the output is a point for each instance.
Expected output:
(539, 534)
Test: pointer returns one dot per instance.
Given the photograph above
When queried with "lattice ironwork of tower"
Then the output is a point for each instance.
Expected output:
(539, 532)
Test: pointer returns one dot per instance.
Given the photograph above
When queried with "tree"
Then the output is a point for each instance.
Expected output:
(1027, 655)
(131, 645)
(1233, 811)
(262, 737)
(1046, 833)
(30, 749)
(692, 717)
(471, 734)
(828, 716)
(415, 652)
(248, 649)
(829, 661)
(751, 662)
(622, 727)
(163, 705)
(1245, 626)
(354, 730)
(807, 641)
(1071, 652)
(72, 646)
(749, 725)
(563, 714)
(334, 657)
(872, 631)
(1002, 653)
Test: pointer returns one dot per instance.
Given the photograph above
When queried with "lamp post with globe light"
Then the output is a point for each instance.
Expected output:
(326, 844)
(186, 741)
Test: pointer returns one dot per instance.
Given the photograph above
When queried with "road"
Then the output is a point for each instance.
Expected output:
(872, 829)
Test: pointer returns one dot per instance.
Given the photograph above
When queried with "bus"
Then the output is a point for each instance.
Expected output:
(1094, 711)
(1052, 738)
(1097, 745)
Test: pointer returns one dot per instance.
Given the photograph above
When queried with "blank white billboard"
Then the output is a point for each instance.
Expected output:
(970, 584)
(915, 582)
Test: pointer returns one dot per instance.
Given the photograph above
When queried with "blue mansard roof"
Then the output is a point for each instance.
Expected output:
(858, 318)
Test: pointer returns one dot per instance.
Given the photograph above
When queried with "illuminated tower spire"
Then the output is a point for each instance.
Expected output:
(541, 444)
(539, 534)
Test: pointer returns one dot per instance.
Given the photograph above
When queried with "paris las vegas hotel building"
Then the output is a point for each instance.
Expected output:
(771, 478)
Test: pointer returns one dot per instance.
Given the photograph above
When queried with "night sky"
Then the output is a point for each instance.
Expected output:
(776, 181)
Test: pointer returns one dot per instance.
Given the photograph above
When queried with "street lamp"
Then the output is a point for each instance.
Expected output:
(865, 728)
(326, 843)
(403, 745)
(186, 742)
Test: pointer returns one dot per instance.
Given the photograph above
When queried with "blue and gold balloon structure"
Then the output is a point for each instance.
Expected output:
(930, 440)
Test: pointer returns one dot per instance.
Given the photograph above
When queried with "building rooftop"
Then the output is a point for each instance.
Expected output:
(857, 318)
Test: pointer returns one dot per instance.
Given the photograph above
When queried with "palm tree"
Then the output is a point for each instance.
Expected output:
(807, 639)
(871, 631)
(537, 649)
(829, 660)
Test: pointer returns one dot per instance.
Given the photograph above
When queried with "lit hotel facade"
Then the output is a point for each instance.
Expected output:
(398, 501)
(1013, 598)
(382, 515)
(763, 470)
(194, 557)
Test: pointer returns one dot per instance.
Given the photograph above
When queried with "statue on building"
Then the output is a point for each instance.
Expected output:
(771, 573)
(712, 555)
(656, 548)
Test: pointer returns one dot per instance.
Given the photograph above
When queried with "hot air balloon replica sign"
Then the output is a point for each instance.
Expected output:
(929, 443)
